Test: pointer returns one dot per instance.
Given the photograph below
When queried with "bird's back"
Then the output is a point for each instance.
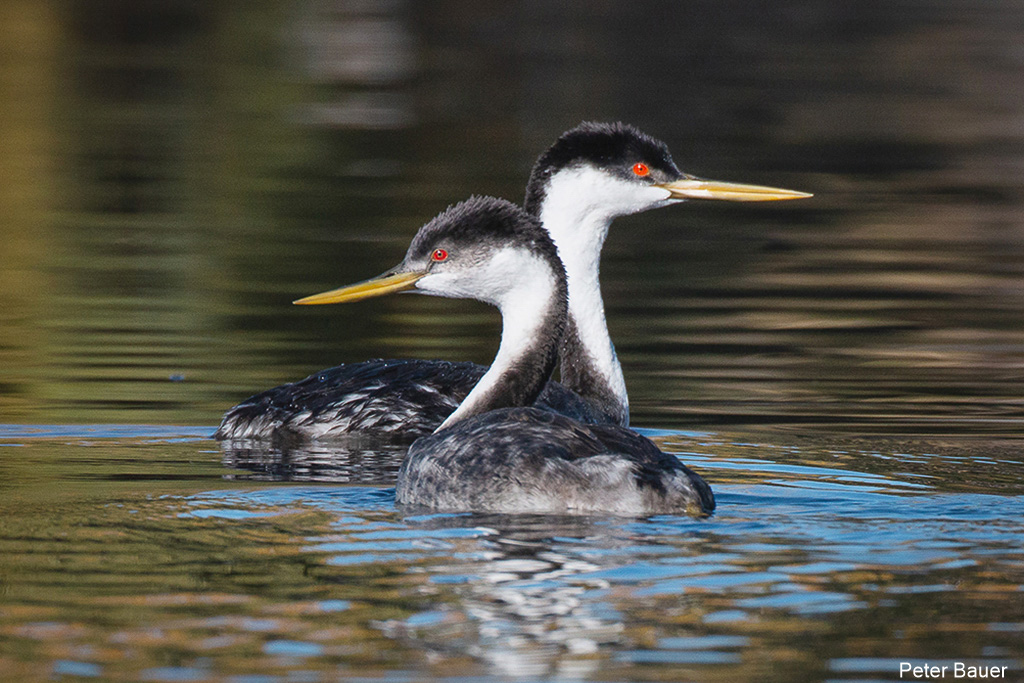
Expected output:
(400, 399)
(530, 460)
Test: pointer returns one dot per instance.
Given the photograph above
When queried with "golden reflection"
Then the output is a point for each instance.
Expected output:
(30, 35)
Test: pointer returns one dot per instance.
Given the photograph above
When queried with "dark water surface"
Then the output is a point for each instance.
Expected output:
(847, 371)
(132, 553)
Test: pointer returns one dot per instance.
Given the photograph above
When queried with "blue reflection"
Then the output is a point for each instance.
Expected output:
(174, 674)
(292, 648)
(333, 605)
(226, 513)
(677, 657)
(327, 498)
(156, 433)
(66, 667)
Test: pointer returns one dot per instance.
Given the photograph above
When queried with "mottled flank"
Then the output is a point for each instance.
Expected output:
(394, 399)
(529, 460)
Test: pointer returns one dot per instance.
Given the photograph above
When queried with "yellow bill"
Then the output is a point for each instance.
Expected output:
(378, 286)
(698, 188)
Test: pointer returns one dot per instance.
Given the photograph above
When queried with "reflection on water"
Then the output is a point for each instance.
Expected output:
(339, 462)
(179, 172)
(820, 562)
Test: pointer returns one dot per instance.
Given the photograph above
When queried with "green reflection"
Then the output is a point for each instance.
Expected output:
(175, 174)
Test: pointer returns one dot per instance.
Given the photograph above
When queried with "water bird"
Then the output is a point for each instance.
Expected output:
(497, 452)
(591, 175)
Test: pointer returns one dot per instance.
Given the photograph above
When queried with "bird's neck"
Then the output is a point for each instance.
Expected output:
(590, 366)
(533, 321)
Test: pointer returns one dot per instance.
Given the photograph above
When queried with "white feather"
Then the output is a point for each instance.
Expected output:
(579, 205)
(519, 284)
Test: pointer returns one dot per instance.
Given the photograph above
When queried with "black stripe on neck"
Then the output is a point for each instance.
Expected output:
(521, 382)
(578, 373)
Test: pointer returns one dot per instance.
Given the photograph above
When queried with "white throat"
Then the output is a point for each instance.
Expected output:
(578, 207)
(525, 290)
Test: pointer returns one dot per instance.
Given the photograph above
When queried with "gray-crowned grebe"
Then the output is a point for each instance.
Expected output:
(591, 175)
(496, 452)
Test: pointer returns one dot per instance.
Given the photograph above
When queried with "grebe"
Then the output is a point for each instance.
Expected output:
(496, 452)
(591, 175)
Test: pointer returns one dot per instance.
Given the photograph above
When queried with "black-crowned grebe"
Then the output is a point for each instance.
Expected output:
(497, 453)
(591, 175)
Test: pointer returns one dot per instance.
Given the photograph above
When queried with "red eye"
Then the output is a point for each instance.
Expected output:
(439, 255)
(641, 169)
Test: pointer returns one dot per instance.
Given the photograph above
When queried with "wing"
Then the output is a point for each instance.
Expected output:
(525, 459)
(393, 399)
(384, 398)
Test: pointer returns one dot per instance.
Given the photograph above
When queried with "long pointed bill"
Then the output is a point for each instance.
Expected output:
(698, 188)
(378, 286)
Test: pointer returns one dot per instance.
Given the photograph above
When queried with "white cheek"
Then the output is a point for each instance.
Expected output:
(645, 197)
(525, 280)
(441, 284)
(509, 275)
(588, 190)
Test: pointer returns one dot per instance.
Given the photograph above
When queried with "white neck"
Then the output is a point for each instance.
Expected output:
(532, 321)
(577, 210)
(581, 253)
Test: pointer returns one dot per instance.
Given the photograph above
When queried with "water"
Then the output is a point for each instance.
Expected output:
(131, 553)
(846, 371)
